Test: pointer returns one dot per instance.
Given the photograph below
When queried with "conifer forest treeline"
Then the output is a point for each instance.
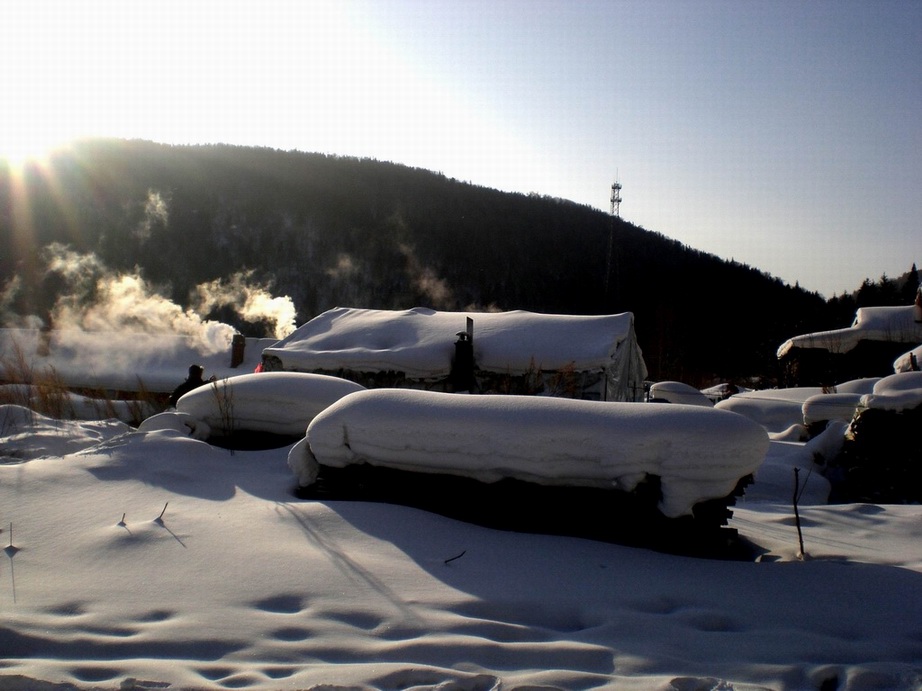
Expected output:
(334, 231)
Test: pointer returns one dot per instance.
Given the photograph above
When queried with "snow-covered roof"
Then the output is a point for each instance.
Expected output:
(889, 324)
(421, 342)
(904, 363)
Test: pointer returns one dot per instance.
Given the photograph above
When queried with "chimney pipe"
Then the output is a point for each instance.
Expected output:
(238, 346)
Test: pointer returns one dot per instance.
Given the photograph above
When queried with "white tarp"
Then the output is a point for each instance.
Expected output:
(420, 343)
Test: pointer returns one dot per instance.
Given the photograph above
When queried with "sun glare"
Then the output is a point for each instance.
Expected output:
(22, 144)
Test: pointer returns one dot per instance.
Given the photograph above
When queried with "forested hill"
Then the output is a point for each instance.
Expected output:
(330, 231)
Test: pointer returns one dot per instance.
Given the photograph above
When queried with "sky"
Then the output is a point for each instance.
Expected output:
(784, 135)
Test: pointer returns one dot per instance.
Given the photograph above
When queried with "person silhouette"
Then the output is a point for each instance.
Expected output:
(193, 381)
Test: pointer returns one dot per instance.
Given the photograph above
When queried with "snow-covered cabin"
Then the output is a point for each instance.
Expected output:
(865, 349)
(591, 357)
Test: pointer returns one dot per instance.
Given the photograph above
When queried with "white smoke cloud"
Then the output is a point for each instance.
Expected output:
(435, 288)
(108, 325)
(155, 211)
(127, 303)
(79, 270)
(345, 268)
(8, 315)
(100, 300)
(492, 307)
(252, 302)
(427, 281)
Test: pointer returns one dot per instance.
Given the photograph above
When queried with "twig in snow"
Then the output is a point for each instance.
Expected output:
(800, 536)
(458, 556)
(159, 519)
(11, 550)
(806, 481)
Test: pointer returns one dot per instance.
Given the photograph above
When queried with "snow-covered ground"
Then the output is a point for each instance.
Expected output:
(151, 559)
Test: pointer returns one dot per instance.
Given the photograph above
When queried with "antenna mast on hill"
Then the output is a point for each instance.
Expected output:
(615, 213)
(616, 198)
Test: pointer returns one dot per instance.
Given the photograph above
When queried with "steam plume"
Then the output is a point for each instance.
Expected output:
(100, 300)
(155, 212)
(426, 281)
(252, 302)
(8, 314)
(96, 299)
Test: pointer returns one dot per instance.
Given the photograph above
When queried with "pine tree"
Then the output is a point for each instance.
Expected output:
(911, 286)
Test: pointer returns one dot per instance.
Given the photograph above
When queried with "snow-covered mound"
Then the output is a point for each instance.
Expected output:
(719, 392)
(174, 421)
(780, 410)
(830, 406)
(880, 461)
(865, 385)
(699, 453)
(777, 410)
(276, 402)
(678, 392)
(27, 434)
(897, 392)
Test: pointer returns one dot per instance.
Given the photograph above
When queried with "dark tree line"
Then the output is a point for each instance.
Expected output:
(330, 231)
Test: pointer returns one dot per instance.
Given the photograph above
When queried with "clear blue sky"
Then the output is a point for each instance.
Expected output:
(786, 135)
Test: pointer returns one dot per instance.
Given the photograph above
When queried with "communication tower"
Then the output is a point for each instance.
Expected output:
(616, 199)
(611, 260)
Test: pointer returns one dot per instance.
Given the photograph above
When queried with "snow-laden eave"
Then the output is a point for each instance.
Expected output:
(882, 324)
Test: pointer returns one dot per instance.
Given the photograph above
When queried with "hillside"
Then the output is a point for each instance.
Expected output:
(331, 231)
